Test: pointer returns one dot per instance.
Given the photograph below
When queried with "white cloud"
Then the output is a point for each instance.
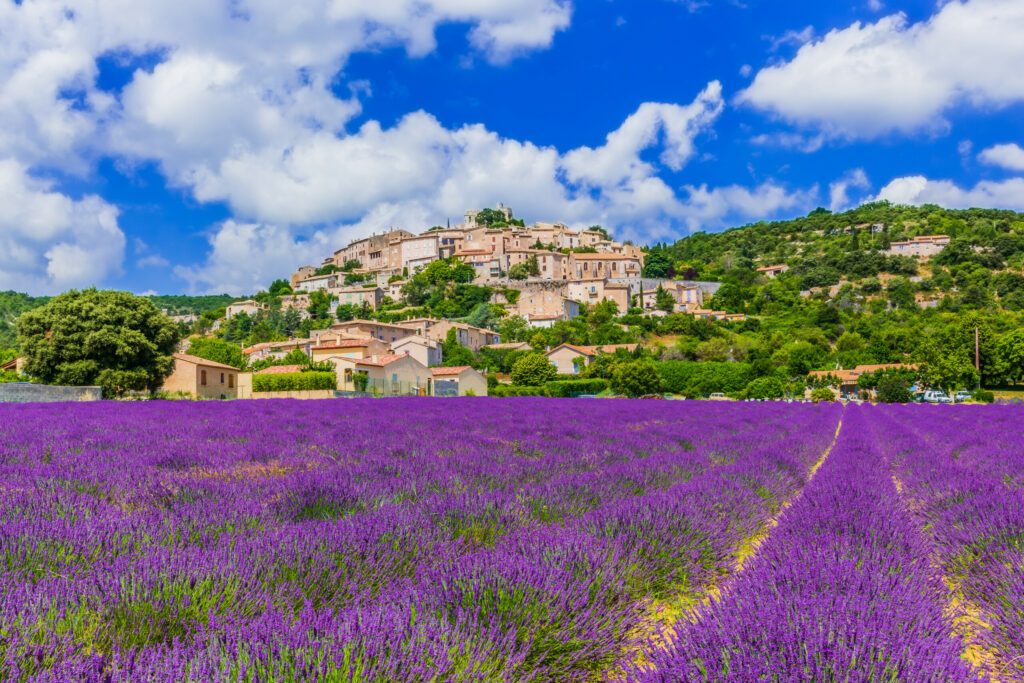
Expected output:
(49, 242)
(1008, 156)
(1007, 194)
(869, 80)
(839, 191)
(808, 144)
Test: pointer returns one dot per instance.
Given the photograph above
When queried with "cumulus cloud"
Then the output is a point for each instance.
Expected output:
(49, 242)
(839, 191)
(1008, 156)
(1007, 194)
(872, 79)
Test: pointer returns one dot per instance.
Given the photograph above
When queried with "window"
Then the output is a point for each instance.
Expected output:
(231, 381)
(202, 377)
(222, 378)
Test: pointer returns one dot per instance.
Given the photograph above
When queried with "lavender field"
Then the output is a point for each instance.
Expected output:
(510, 540)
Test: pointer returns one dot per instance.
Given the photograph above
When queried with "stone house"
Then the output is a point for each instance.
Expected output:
(568, 359)
(201, 378)
(458, 381)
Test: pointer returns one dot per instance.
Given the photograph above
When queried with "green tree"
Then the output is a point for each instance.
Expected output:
(217, 350)
(1010, 356)
(519, 271)
(893, 388)
(658, 263)
(453, 353)
(533, 370)
(514, 329)
(664, 301)
(636, 378)
(279, 287)
(822, 395)
(765, 388)
(116, 340)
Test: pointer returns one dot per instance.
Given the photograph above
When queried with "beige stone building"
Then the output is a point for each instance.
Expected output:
(330, 348)
(276, 350)
(569, 359)
(249, 307)
(423, 349)
(201, 378)
(921, 247)
(458, 381)
(473, 338)
(600, 266)
(357, 296)
(387, 375)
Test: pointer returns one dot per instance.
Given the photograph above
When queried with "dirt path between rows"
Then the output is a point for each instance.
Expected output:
(664, 618)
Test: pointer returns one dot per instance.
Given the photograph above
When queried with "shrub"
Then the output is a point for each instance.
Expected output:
(638, 378)
(507, 391)
(533, 370)
(822, 395)
(573, 387)
(694, 380)
(984, 396)
(893, 389)
(765, 388)
(296, 381)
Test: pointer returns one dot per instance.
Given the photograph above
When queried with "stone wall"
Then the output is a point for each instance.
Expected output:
(22, 392)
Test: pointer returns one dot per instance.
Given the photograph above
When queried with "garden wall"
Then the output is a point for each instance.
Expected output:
(23, 392)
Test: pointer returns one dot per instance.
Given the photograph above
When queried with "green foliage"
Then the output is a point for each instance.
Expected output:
(279, 288)
(574, 387)
(116, 340)
(296, 381)
(664, 301)
(893, 388)
(637, 378)
(514, 329)
(217, 350)
(984, 396)
(658, 263)
(697, 380)
(454, 354)
(822, 395)
(506, 391)
(533, 370)
(765, 388)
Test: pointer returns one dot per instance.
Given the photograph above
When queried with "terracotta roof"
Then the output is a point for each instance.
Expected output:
(764, 269)
(862, 369)
(280, 370)
(446, 372)
(273, 345)
(594, 350)
(344, 344)
(12, 364)
(507, 345)
(196, 360)
(604, 257)
(381, 361)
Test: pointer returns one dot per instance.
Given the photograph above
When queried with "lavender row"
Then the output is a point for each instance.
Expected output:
(841, 591)
(963, 470)
(381, 540)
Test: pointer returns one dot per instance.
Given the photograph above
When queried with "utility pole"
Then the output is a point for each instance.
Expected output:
(977, 351)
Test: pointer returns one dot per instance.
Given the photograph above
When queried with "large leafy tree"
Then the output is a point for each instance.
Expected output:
(636, 378)
(217, 350)
(116, 340)
(533, 370)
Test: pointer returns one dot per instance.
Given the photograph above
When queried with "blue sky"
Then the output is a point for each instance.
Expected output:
(209, 146)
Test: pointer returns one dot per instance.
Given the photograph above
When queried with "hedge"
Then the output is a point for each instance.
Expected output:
(507, 390)
(573, 387)
(694, 380)
(296, 381)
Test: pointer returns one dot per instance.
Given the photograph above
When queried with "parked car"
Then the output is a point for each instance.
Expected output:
(962, 396)
(718, 396)
(936, 397)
